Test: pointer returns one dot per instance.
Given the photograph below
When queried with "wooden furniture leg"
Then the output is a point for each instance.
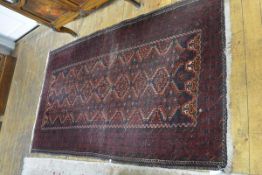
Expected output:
(66, 30)
(135, 3)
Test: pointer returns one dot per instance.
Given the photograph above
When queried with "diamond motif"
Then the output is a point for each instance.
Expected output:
(160, 80)
(103, 88)
(140, 83)
(122, 86)
(87, 90)
(72, 93)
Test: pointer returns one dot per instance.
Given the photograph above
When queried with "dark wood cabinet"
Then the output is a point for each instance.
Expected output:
(56, 13)
(7, 66)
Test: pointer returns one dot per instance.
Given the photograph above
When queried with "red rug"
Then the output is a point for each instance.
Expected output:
(149, 91)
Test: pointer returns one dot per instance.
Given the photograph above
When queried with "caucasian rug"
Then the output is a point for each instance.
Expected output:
(149, 91)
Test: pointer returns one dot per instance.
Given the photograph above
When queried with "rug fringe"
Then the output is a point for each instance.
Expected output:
(40, 166)
(227, 51)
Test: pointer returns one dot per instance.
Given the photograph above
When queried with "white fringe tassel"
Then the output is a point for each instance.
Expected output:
(228, 69)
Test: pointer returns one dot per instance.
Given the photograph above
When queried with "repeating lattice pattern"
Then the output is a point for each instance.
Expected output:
(154, 85)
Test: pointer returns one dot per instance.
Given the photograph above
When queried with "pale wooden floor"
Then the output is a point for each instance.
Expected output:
(246, 111)
(246, 84)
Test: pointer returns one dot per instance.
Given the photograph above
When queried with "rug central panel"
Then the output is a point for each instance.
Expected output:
(153, 85)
